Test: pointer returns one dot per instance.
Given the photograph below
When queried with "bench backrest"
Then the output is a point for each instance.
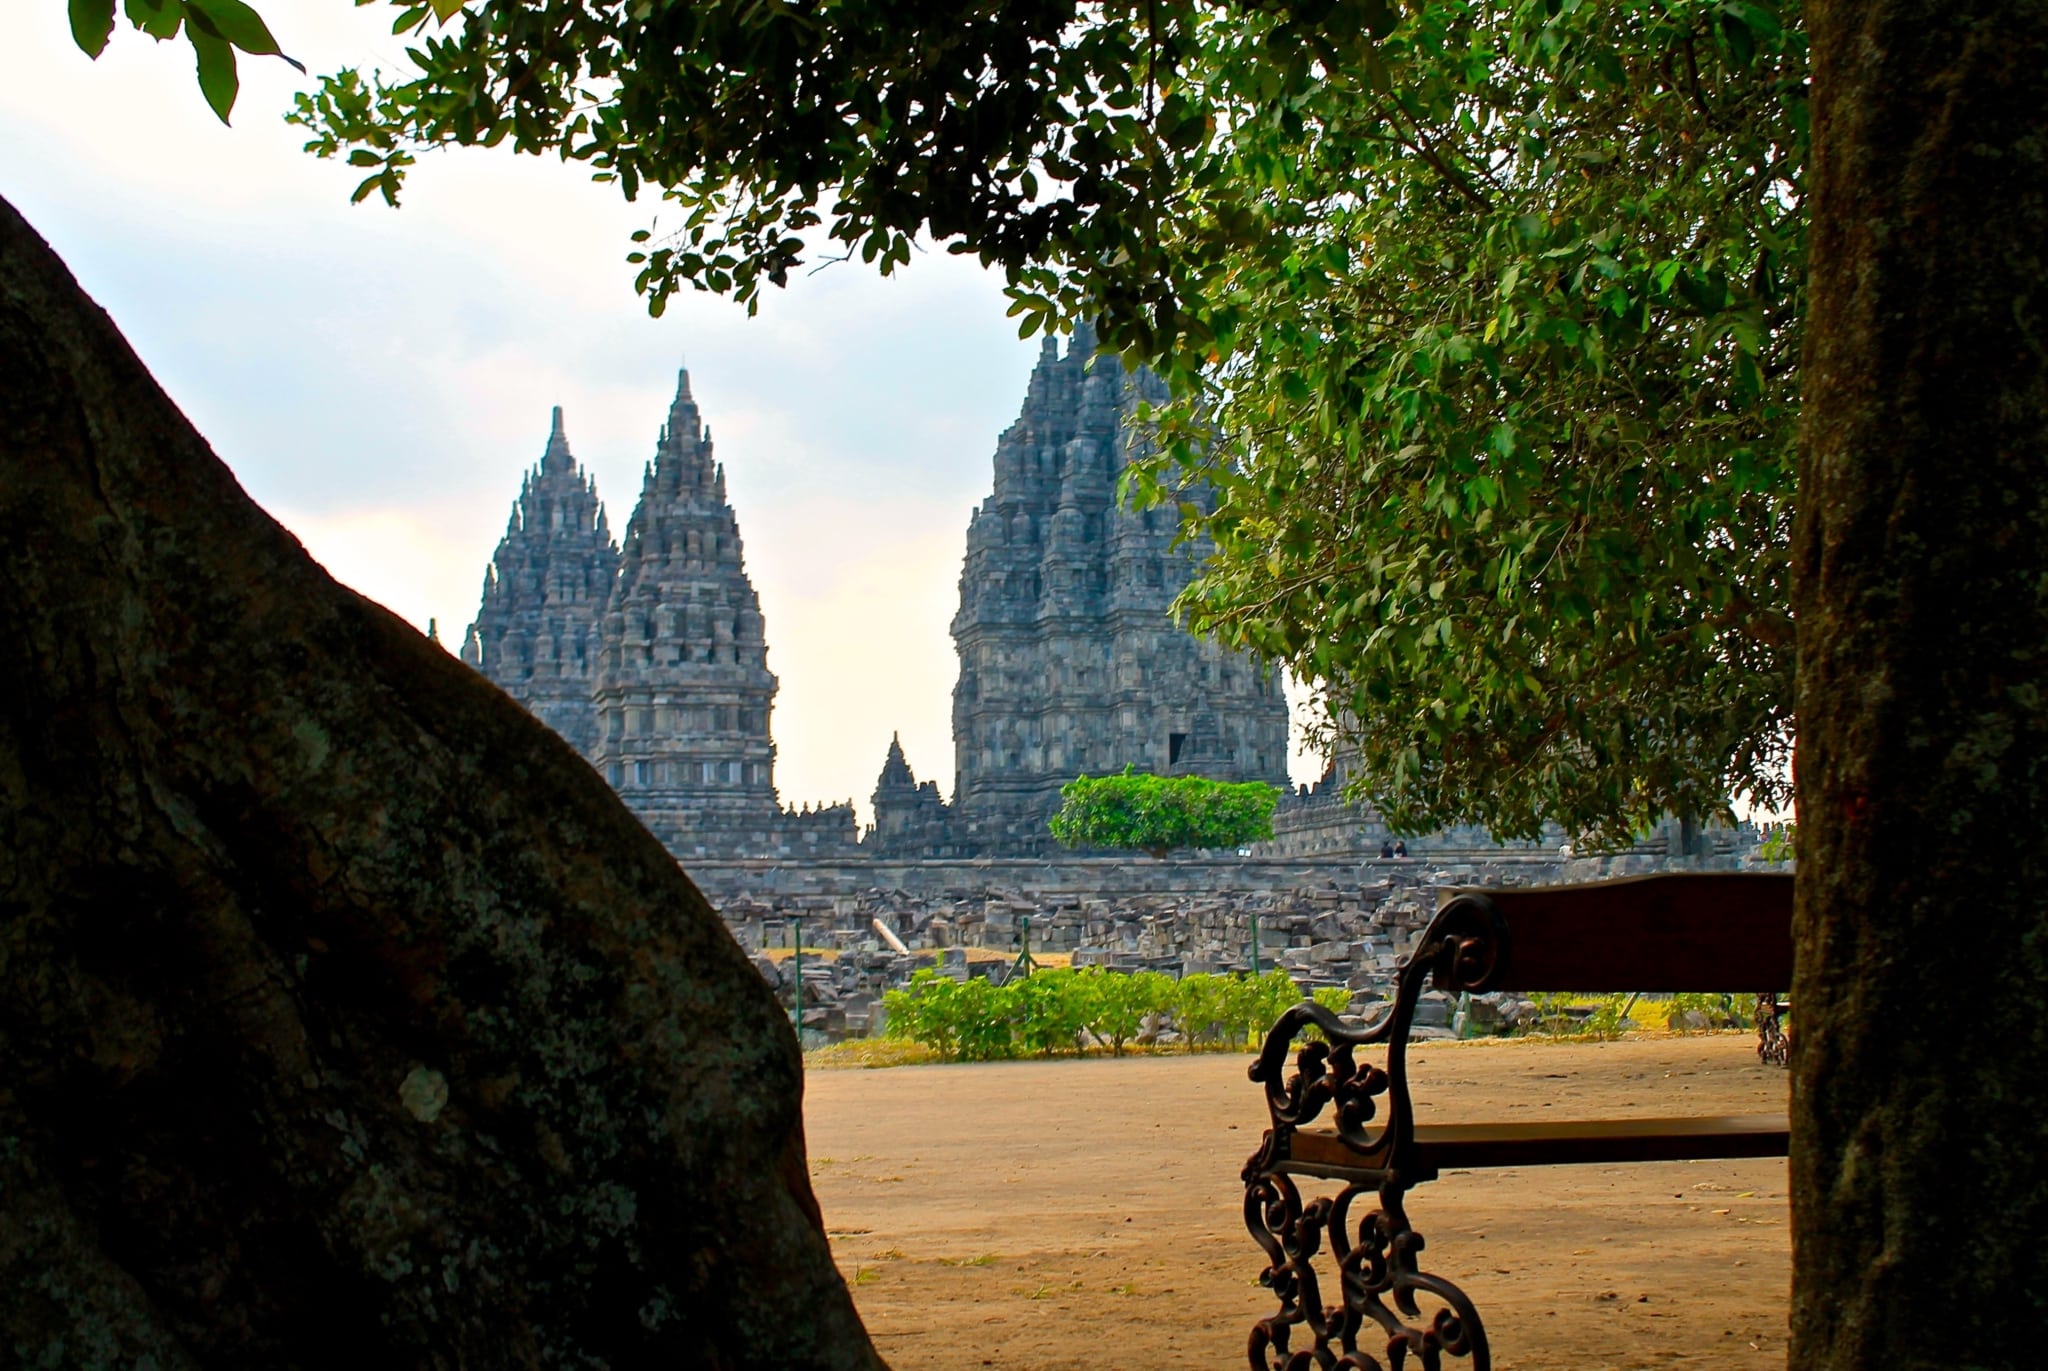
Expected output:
(1710, 931)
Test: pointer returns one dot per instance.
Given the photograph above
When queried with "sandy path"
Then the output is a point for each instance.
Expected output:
(1041, 1216)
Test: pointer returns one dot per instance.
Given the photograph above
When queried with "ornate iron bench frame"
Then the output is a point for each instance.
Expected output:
(1773, 1044)
(1376, 1149)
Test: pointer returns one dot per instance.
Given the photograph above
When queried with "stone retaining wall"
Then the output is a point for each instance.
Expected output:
(1328, 923)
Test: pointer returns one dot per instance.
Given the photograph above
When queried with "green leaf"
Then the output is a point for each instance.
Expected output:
(444, 10)
(241, 26)
(238, 24)
(217, 79)
(157, 18)
(92, 23)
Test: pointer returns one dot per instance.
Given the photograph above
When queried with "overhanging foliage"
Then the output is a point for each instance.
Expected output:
(1484, 315)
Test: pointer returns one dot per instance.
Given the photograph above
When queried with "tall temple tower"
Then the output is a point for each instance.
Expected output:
(683, 690)
(536, 631)
(1069, 659)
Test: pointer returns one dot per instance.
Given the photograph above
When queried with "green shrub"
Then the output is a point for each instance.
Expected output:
(1048, 1011)
(985, 1019)
(1553, 1012)
(1605, 1021)
(1721, 1010)
(1122, 1002)
(1158, 813)
(925, 1012)
(1201, 1008)
(1052, 1007)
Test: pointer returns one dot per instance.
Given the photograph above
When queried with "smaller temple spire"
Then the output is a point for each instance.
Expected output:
(557, 458)
(685, 425)
(896, 771)
(1083, 346)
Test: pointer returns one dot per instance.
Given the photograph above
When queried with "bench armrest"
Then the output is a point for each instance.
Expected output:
(1458, 952)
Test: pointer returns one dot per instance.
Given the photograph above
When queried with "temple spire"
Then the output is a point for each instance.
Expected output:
(685, 428)
(535, 634)
(557, 458)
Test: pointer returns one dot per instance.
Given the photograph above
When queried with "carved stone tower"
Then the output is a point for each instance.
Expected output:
(910, 818)
(684, 692)
(536, 631)
(1069, 660)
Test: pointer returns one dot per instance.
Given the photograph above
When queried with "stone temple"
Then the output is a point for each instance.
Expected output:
(1070, 660)
(536, 632)
(683, 691)
(652, 658)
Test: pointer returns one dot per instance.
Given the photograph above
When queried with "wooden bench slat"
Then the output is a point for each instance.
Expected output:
(1564, 1142)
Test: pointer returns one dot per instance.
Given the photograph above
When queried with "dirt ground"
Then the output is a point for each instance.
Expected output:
(1040, 1216)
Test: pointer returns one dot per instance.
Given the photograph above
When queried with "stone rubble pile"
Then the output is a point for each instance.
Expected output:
(1350, 935)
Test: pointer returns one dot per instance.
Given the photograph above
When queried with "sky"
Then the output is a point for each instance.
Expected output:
(379, 380)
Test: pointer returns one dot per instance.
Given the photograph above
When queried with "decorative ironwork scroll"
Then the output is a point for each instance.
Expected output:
(1379, 1282)
(1380, 1286)
(1773, 1048)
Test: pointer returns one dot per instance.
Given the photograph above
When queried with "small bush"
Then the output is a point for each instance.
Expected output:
(985, 1022)
(1554, 1014)
(1123, 1002)
(1720, 1011)
(1050, 1011)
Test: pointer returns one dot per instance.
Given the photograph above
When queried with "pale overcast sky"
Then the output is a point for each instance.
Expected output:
(379, 380)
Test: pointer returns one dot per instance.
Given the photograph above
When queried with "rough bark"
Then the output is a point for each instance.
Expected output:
(1920, 1070)
(346, 1017)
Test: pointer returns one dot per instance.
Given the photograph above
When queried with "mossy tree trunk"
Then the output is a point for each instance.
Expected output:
(346, 1016)
(1920, 1064)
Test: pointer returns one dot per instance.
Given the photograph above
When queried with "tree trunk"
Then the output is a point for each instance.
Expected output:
(1920, 1061)
(346, 1017)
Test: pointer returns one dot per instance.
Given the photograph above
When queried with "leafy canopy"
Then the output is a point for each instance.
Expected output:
(1159, 813)
(1506, 323)
(1482, 315)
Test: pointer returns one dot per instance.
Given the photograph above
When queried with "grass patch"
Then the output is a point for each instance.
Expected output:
(863, 1054)
(860, 1054)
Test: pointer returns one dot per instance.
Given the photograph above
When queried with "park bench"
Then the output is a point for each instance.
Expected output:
(1674, 932)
